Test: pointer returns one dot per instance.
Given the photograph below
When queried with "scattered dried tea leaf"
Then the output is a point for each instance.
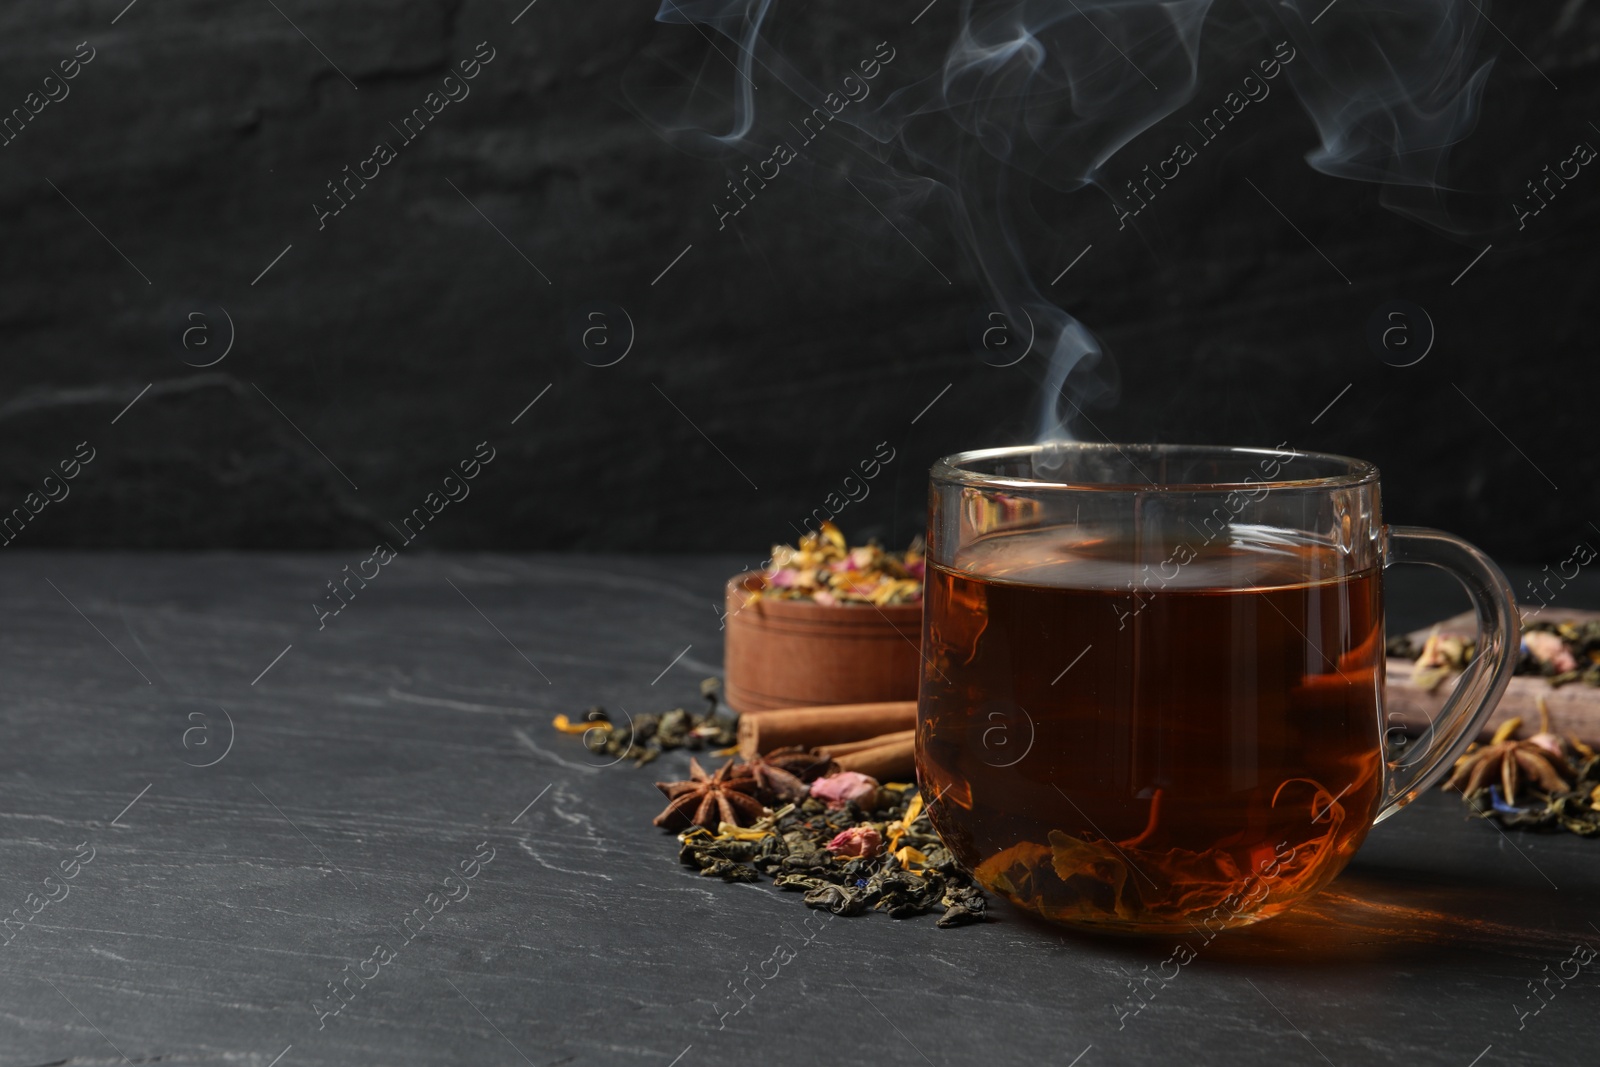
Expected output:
(644, 737)
(776, 816)
(918, 877)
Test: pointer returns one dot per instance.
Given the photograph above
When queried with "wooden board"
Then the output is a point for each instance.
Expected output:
(1574, 708)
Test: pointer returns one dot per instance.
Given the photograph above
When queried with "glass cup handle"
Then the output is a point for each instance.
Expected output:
(1480, 686)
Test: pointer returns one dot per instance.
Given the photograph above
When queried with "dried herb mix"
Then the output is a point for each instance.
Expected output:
(850, 846)
(846, 859)
(1544, 783)
(846, 843)
(644, 737)
(824, 568)
(1560, 652)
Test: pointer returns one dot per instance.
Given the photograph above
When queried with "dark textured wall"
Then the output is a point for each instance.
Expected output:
(141, 211)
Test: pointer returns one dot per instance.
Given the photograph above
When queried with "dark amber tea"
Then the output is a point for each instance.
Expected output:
(1189, 739)
(1153, 678)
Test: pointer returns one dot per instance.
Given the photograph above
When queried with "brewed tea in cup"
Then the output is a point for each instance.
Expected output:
(1152, 691)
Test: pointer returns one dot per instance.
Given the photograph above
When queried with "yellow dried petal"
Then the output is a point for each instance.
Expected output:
(567, 726)
(831, 535)
(1507, 728)
(1429, 656)
(898, 829)
(729, 832)
(1428, 678)
(909, 856)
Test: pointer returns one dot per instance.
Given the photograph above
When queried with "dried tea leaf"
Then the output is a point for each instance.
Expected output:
(1574, 808)
(790, 846)
(644, 737)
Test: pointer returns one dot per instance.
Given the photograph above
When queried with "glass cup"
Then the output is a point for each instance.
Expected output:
(1152, 689)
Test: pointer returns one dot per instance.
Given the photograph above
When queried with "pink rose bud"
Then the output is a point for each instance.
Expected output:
(857, 841)
(1551, 743)
(1544, 646)
(839, 789)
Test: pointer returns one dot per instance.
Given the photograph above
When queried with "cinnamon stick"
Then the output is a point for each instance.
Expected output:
(894, 761)
(767, 730)
(846, 748)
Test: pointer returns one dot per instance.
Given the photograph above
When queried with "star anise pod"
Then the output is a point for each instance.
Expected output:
(1512, 761)
(709, 799)
(783, 773)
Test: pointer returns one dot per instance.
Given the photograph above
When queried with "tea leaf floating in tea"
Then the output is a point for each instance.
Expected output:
(1077, 879)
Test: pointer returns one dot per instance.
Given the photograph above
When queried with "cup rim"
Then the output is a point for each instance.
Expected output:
(950, 468)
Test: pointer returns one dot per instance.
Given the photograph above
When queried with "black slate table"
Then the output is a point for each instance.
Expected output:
(212, 810)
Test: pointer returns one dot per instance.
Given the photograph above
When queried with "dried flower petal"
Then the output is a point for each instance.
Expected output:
(911, 859)
(856, 875)
(1543, 646)
(822, 567)
(567, 726)
(857, 841)
(898, 829)
(837, 790)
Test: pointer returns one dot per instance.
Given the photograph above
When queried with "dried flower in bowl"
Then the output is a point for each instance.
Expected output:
(824, 568)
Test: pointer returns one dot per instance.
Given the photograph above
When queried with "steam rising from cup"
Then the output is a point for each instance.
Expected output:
(1038, 95)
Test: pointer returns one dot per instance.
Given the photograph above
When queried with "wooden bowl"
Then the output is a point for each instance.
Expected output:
(798, 653)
